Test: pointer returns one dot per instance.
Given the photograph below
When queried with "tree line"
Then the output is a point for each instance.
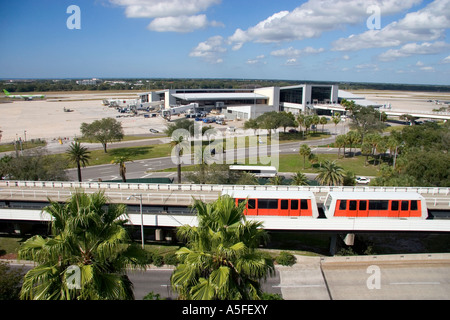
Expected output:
(44, 85)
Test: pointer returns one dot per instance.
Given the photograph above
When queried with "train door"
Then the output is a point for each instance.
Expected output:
(295, 208)
(363, 210)
(404, 209)
(415, 210)
(352, 208)
(305, 207)
(395, 209)
(251, 207)
(341, 208)
(284, 207)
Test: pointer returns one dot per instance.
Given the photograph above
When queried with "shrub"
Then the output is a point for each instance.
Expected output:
(171, 259)
(286, 259)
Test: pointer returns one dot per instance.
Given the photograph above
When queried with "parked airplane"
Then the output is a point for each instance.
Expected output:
(25, 97)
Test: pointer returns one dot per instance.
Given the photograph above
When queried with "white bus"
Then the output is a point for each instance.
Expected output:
(258, 171)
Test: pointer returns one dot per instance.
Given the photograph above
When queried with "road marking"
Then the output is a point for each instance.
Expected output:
(299, 286)
(414, 283)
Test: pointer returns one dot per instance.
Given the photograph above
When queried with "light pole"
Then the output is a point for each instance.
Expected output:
(139, 196)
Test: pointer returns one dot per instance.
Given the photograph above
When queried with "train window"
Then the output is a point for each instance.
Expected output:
(343, 205)
(273, 204)
(304, 204)
(284, 204)
(352, 205)
(267, 204)
(363, 205)
(251, 203)
(414, 205)
(378, 205)
(241, 200)
(394, 205)
(262, 204)
(405, 205)
(294, 204)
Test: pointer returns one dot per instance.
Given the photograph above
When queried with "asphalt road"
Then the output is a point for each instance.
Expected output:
(157, 280)
(376, 280)
(140, 169)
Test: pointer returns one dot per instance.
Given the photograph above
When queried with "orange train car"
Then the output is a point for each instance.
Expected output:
(405, 205)
(277, 203)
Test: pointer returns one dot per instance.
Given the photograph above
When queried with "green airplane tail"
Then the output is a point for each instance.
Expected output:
(6, 92)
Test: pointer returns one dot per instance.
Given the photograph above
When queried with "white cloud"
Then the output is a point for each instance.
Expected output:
(426, 24)
(210, 50)
(410, 49)
(313, 18)
(170, 15)
(257, 60)
(446, 60)
(291, 52)
(428, 69)
(182, 24)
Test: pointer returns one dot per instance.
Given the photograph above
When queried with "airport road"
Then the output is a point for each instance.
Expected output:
(145, 168)
(157, 280)
(316, 278)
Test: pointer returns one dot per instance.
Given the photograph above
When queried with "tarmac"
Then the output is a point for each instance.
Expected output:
(46, 119)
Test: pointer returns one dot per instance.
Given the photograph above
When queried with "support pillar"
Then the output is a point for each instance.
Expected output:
(333, 241)
(159, 234)
(349, 239)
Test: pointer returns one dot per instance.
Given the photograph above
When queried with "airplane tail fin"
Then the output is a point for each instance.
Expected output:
(6, 92)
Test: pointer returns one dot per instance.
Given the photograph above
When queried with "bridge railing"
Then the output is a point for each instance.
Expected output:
(209, 187)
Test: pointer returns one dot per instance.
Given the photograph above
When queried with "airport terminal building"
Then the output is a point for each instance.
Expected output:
(245, 104)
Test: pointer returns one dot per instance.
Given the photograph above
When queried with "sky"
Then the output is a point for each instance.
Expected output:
(387, 41)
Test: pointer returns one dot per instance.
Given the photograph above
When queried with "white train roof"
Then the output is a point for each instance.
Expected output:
(376, 195)
(267, 194)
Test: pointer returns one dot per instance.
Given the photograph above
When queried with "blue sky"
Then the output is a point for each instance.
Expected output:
(322, 40)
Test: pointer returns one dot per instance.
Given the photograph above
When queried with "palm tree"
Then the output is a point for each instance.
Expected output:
(305, 151)
(340, 142)
(79, 155)
(315, 121)
(276, 180)
(178, 142)
(299, 179)
(220, 261)
(122, 168)
(336, 119)
(88, 237)
(352, 138)
(323, 121)
(330, 174)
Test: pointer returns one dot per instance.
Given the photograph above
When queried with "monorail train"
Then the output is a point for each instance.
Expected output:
(400, 205)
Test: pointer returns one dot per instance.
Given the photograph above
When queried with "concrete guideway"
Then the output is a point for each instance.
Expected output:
(382, 277)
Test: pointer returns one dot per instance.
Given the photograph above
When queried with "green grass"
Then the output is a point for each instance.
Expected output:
(294, 163)
(10, 244)
(134, 153)
(25, 145)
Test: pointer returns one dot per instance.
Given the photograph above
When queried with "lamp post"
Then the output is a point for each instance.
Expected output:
(139, 196)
